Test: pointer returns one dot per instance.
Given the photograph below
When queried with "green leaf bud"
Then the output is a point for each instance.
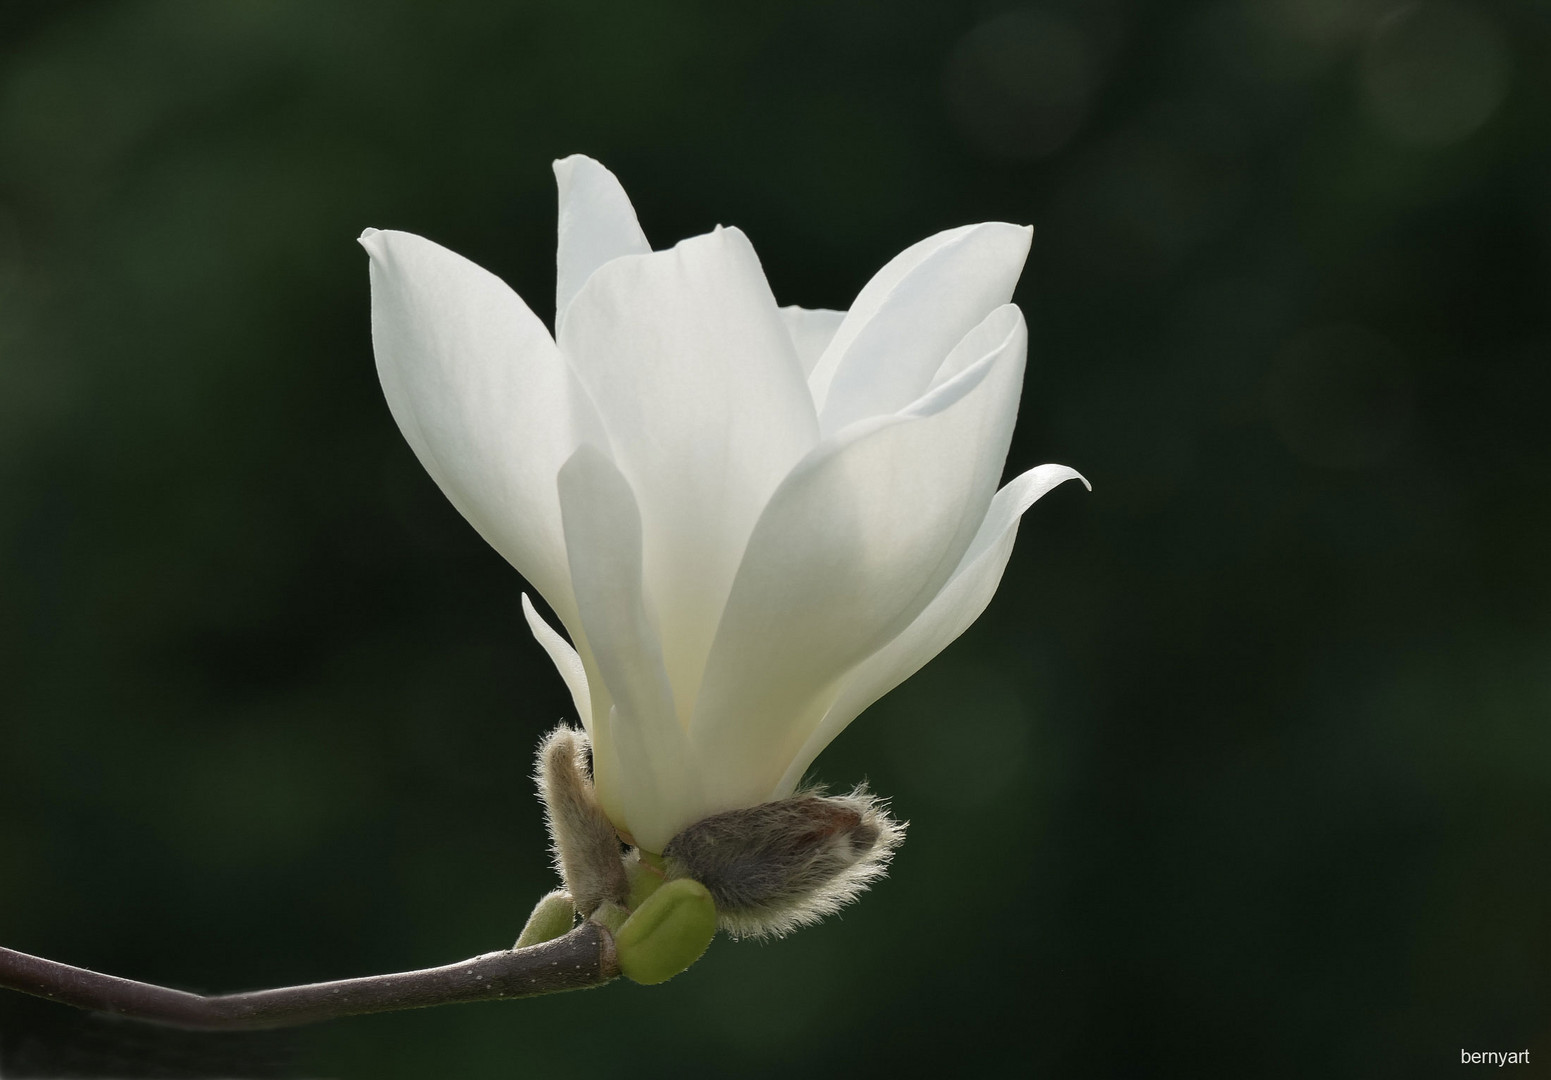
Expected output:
(669, 931)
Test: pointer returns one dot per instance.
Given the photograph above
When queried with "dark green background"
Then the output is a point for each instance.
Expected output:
(1247, 769)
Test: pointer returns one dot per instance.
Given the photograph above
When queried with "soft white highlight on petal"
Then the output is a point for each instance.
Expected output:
(565, 659)
(483, 397)
(909, 315)
(604, 541)
(811, 331)
(597, 224)
(959, 604)
(686, 357)
(999, 329)
(854, 544)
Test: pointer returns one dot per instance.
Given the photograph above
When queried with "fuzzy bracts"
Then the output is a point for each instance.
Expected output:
(782, 865)
(587, 850)
(770, 869)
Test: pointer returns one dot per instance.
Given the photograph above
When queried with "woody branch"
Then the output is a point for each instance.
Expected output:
(582, 958)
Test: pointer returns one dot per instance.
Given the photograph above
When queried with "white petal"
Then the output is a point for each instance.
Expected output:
(653, 781)
(686, 358)
(811, 331)
(854, 544)
(597, 224)
(907, 318)
(959, 604)
(579, 670)
(482, 395)
(565, 659)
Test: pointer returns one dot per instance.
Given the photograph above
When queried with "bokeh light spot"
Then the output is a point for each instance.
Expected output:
(1434, 72)
(1019, 84)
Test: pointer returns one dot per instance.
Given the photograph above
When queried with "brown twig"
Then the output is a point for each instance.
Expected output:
(582, 958)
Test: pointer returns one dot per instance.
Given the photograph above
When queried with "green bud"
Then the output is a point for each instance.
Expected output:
(552, 916)
(667, 933)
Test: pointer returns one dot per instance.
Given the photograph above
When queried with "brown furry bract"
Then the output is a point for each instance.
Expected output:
(781, 865)
(587, 849)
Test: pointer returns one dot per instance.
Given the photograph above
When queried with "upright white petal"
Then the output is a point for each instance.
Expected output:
(651, 781)
(483, 397)
(686, 358)
(811, 330)
(854, 544)
(959, 604)
(597, 224)
(907, 318)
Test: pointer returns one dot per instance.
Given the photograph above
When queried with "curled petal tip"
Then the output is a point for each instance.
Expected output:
(1055, 475)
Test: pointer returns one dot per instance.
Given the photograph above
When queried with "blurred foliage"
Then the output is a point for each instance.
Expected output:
(1247, 770)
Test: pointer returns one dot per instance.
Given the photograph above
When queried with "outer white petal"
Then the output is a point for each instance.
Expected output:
(959, 604)
(597, 224)
(907, 318)
(594, 706)
(648, 787)
(685, 356)
(566, 660)
(483, 397)
(811, 330)
(854, 544)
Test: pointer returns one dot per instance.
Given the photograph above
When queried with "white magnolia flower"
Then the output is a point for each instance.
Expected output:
(752, 521)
